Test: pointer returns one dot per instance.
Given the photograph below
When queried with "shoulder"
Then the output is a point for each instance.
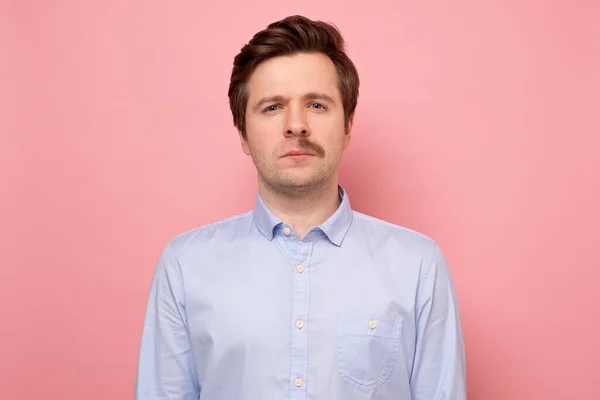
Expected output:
(213, 234)
(404, 240)
(381, 228)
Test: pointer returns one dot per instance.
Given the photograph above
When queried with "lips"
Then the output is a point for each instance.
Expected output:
(298, 153)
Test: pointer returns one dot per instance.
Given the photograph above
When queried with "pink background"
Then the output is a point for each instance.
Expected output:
(478, 124)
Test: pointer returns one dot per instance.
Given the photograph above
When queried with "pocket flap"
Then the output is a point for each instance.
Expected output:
(370, 326)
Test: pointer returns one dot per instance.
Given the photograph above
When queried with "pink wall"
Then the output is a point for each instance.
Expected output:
(478, 124)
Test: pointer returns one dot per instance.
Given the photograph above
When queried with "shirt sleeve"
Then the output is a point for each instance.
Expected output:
(439, 371)
(165, 365)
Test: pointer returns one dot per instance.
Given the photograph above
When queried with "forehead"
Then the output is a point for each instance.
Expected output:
(294, 76)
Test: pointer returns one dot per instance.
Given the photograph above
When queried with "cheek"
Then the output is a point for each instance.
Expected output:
(265, 129)
(262, 145)
(327, 123)
(330, 132)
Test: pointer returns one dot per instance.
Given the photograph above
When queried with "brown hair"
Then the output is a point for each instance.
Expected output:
(292, 35)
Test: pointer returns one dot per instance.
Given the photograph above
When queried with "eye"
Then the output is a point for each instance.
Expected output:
(271, 108)
(318, 106)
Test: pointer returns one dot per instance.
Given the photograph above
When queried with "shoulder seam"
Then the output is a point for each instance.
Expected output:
(393, 225)
(209, 225)
(425, 274)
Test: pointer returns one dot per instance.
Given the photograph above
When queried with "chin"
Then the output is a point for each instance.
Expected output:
(297, 180)
(299, 184)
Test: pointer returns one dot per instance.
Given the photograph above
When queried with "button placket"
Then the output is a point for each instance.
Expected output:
(300, 301)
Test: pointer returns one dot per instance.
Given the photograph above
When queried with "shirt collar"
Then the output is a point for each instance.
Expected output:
(335, 227)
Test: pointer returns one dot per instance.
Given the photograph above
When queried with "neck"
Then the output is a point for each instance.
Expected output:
(302, 209)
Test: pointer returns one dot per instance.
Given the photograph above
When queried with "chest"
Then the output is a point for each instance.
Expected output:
(258, 298)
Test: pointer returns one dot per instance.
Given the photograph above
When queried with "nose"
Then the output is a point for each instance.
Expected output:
(296, 123)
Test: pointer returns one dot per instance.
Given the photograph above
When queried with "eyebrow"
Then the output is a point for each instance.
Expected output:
(283, 99)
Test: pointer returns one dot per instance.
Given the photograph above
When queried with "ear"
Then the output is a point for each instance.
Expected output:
(348, 131)
(244, 143)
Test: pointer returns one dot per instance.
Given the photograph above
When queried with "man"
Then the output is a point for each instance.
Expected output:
(301, 298)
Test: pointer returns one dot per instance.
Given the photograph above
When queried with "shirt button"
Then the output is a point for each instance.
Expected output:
(300, 268)
(372, 324)
(286, 231)
(298, 382)
(299, 324)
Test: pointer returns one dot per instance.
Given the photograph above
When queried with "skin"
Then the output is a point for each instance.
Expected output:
(294, 104)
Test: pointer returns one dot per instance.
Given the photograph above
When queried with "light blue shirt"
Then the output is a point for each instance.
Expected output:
(358, 309)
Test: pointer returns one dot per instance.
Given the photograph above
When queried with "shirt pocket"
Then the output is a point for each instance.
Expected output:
(367, 349)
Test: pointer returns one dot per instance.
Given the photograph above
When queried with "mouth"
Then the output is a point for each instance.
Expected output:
(298, 154)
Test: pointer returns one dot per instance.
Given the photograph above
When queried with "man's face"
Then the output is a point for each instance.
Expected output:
(295, 122)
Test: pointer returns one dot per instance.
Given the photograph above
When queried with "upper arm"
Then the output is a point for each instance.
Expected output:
(439, 367)
(165, 365)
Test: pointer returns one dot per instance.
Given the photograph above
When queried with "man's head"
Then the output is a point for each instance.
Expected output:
(293, 90)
